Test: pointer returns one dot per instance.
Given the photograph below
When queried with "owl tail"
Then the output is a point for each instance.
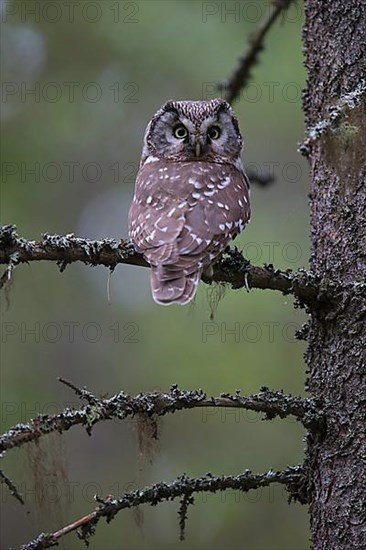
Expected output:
(174, 291)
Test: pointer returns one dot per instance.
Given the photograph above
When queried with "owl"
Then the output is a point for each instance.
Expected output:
(191, 195)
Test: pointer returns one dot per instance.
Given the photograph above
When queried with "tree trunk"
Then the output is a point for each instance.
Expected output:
(335, 45)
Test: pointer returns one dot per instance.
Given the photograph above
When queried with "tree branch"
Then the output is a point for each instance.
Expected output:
(240, 77)
(232, 268)
(262, 180)
(294, 479)
(123, 406)
(11, 486)
(348, 102)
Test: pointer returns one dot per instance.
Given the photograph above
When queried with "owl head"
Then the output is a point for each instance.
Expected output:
(193, 130)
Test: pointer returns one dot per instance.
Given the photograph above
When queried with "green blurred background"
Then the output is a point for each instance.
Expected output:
(98, 71)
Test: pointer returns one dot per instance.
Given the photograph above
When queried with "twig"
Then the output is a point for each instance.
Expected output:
(241, 75)
(122, 406)
(11, 486)
(294, 478)
(263, 180)
(186, 501)
(6, 277)
(232, 268)
(83, 393)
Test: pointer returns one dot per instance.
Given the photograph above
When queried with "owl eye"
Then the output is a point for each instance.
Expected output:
(214, 132)
(180, 132)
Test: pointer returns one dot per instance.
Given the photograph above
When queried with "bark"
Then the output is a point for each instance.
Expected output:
(335, 46)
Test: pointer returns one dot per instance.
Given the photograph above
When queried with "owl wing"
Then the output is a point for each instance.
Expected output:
(157, 214)
(218, 210)
(220, 214)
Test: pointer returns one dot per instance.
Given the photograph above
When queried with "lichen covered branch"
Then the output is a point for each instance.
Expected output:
(293, 478)
(121, 406)
(232, 268)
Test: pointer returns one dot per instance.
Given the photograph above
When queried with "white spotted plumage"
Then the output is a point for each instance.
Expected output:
(188, 206)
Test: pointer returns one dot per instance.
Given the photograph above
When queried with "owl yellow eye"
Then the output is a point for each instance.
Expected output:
(214, 132)
(180, 132)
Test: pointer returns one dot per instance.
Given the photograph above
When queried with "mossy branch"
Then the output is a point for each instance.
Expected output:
(271, 403)
(232, 268)
(293, 478)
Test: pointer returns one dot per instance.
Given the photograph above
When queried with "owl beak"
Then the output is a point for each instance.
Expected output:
(197, 144)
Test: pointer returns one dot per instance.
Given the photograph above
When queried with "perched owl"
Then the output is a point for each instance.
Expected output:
(191, 196)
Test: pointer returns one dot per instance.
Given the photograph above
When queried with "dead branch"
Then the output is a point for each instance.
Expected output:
(122, 406)
(11, 486)
(232, 268)
(293, 478)
(240, 77)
